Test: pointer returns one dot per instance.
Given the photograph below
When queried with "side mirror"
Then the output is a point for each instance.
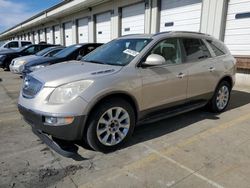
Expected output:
(154, 59)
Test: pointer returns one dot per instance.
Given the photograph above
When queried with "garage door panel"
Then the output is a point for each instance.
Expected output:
(57, 35)
(133, 19)
(237, 33)
(36, 37)
(68, 34)
(182, 10)
(49, 38)
(83, 30)
(236, 47)
(180, 15)
(240, 7)
(192, 27)
(238, 39)
(239, 52)
(242, 31)
(236, 1)
(103, 27)
(41, 36)
(241, 23)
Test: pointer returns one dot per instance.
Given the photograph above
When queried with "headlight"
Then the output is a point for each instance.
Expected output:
(19, 63)
(34, 68)
(68, 92)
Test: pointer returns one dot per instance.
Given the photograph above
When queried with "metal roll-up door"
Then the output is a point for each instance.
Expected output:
(103, 27)
(133, 19)
(41, 36)
(180, 15)
(237, 33)
(57, 34)
(68, 34)
(49, 37)
(83, 30)
(36, 37)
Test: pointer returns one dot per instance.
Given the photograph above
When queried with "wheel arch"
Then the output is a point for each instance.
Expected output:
(227, 78)
(119, 94)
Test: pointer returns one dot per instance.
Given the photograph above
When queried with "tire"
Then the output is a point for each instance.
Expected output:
(110, 125)
(219, 103)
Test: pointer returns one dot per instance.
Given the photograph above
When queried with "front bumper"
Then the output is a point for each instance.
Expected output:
(69, 132)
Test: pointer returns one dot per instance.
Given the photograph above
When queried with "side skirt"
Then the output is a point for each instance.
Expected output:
(170, 112)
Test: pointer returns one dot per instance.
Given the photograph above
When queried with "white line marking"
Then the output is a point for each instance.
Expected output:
(185, 168)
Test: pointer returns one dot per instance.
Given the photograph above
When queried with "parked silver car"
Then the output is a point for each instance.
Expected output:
(17, 64)
(130, 80)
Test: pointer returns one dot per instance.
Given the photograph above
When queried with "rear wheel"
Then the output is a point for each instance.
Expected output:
(221, 97)
(110, 125)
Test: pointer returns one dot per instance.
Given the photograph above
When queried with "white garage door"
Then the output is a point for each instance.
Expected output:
(41, 36)
(133, 19)
(57, 34)
(237, 34)
(68, 34)
(49, 36)
(36, 37)
(103, 27)
(83, 30)
(180, 15)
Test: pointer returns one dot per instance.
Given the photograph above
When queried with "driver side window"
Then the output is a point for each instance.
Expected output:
(30, 50)
(169, 49)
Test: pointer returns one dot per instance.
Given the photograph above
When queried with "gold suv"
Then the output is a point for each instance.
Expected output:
(130, 80)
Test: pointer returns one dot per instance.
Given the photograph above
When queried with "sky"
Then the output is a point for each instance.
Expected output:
(13, 12)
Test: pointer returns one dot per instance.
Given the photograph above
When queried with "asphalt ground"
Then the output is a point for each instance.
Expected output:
(196, 149)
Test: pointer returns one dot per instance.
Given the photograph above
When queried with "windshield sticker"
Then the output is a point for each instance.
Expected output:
(131, 52)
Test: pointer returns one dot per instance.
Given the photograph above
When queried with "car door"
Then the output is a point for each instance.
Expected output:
(165, 85)
(201, 75)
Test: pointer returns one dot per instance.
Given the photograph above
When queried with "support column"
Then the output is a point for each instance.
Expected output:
(213, 17)
(155, 17)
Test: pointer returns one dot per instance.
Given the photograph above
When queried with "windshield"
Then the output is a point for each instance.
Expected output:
(44, 51)
(67, 51)
(22, 48)
(117, 52)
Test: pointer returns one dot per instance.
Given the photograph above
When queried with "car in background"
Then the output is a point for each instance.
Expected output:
(14, 44)
(73, 52)
(17, 64)
(8, 55)
(131, 80)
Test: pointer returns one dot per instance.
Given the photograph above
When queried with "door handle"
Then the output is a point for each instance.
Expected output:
(180, 75)
(211, 69)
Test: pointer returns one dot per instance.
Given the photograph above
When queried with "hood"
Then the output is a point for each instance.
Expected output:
(25, 58)
(39, 60)
(71, 71)
(7, 51)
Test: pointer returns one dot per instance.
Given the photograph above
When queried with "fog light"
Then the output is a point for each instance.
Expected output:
(58, 120)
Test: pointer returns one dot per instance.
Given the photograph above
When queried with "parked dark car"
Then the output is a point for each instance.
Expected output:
(8, 55)
(73, 52)
(17, 64)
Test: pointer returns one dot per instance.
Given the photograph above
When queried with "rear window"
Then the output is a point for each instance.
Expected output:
(216, 47)
(195, 49)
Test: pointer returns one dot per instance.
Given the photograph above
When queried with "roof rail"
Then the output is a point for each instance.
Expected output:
(192, 32)
(129, 35)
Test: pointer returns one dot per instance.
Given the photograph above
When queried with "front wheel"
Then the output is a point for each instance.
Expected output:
(221, 97)
(110, 125)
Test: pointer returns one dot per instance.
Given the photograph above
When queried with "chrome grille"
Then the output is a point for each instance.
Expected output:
(31, 87)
